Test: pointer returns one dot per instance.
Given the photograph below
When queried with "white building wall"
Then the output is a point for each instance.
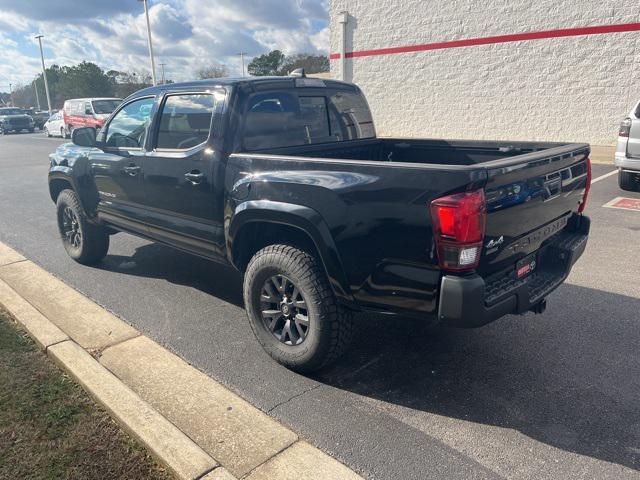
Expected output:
(557, 89)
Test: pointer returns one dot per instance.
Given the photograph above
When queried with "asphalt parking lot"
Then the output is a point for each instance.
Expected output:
(531, 397)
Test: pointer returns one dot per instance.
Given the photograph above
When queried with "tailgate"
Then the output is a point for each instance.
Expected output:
(530, 198)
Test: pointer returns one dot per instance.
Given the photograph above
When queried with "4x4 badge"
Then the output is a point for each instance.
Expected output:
(495, 242)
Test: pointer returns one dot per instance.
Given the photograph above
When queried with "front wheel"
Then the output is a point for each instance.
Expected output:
(84, 242)
(46, 132)
(627, 180)
(292, 309)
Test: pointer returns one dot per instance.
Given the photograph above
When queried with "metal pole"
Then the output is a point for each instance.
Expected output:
(242, 54)
(11, 95)
(35, 87)
(153, 63)
(343, 18)
(44, 74)
(162, 66)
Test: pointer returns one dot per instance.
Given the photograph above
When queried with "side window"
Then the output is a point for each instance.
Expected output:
(128, 128)
(280, 119)
(185, 121)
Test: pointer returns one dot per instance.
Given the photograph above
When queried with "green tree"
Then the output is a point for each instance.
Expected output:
(310, 63)
(212, 71)
(85, 80)
(267, 64)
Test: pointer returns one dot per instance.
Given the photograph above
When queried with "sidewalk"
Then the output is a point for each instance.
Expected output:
(195, 426)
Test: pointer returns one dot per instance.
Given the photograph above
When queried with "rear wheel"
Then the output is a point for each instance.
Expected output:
(84, 242)
(292, 309)
(627, 180)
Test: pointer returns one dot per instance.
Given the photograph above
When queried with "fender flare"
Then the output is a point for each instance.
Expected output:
(304, 218)
(65, 173)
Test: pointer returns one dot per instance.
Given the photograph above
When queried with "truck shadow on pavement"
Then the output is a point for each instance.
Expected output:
(157, 261)
(569, 378)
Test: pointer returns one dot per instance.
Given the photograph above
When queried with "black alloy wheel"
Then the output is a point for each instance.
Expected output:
(71, 228)
(292, 309)
(284, 310)
(85, 242)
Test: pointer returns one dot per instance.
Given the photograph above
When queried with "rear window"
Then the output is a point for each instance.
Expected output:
(351, 117)
(105, 106)
(283, 119)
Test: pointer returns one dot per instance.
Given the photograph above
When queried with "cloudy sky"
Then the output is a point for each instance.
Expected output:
(187, 34)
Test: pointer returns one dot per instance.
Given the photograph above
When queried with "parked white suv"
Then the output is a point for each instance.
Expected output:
(628, 151)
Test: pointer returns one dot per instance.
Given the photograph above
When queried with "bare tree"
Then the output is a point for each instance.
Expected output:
(214, 70)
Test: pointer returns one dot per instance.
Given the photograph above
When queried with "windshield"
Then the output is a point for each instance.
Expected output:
(105, 106)
(11, 111)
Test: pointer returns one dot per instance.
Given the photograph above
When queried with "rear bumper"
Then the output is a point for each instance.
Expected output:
(626, 163)
(472, 301)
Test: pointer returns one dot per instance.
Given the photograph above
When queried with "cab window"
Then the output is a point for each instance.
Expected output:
(282, 119)
(129, 127)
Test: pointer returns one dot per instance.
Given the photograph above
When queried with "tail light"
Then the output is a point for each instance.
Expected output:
(625, 128)
(587, 187)
(458, 228)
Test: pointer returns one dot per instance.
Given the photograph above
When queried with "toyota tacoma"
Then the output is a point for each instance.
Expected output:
(285, 179)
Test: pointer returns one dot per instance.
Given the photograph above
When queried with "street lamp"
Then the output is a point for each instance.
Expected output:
(162, 67)
(242, 54)
(153, 63)
(44, 74)
(35, 87)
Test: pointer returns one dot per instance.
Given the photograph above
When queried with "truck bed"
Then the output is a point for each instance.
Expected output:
(375, 194)
(423, 151)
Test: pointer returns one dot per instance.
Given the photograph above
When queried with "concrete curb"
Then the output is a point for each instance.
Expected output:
(194, 425)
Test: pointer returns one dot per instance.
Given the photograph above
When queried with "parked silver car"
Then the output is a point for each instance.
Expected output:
(627, 157)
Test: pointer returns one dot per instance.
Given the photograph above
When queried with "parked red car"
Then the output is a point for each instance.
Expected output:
(88, 112)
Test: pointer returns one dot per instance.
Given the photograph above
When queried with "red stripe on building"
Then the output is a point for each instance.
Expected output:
(515, 37)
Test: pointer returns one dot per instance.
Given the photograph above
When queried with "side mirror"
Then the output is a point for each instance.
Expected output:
(84, 137)
(87, 111)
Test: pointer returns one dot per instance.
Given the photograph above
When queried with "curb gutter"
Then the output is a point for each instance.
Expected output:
(192, 424)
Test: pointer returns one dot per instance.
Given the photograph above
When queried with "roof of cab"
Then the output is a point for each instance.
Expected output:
(227, 81)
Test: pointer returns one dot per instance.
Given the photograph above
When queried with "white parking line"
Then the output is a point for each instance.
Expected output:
(602, 177)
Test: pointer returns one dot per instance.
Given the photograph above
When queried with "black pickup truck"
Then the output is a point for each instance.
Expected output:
(285, 179)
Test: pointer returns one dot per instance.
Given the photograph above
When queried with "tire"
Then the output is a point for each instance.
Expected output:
(31, 130)
(46, 132)
(627, 180)
(92, 244)
(62, 133)
(329, 326)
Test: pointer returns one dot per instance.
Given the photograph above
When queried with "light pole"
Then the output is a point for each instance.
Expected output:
(44, 74)
(35, 87)
(153, 62)
(11, 95)
(242, 54)
(162, 67)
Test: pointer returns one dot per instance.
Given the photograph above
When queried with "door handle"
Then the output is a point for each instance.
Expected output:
(132, 170)
(194, 177)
